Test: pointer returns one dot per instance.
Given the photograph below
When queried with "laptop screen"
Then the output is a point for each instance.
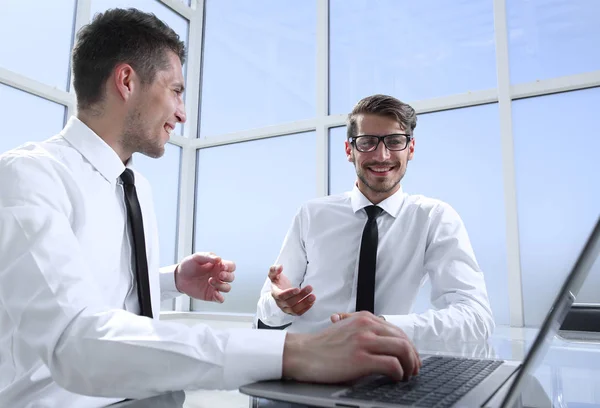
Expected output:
(557, 313)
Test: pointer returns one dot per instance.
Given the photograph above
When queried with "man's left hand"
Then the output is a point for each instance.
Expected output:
(205, 276)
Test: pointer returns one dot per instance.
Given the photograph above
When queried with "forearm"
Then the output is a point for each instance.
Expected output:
(93, 348)
(116, 354)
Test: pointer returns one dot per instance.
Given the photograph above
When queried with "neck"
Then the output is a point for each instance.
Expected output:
(375, 197)
(107, 129)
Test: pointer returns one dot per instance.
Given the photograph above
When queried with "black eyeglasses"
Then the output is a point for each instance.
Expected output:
(368, 143)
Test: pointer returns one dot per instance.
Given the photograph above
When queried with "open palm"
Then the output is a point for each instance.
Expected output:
(289, 299)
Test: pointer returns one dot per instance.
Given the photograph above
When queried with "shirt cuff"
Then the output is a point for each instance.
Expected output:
(253, 355)
(405, 322)
(168, 290)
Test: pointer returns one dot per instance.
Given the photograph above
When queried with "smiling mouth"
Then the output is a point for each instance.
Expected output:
(381, 170)
(169, 129)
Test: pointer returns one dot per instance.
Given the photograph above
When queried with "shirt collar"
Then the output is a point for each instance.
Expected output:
(95, 150)
(390, 205)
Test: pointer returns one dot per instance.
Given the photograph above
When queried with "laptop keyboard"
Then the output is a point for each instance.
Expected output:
(441, 382)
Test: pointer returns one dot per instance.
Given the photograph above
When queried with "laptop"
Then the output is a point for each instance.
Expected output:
(445, 381)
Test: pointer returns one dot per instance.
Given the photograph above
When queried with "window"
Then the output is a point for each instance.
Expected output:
(171, 18)
(408, 49)
(36, 39)
(457, 160)
(26, 117)
(552, 40)
(247, 196)
(557, 174)
(259, 64)
(163, 175)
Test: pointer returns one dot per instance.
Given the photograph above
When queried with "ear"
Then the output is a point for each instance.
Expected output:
(124, 78)
(411, 149)
(349, 153)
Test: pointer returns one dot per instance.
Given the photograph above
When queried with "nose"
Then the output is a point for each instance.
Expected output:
(180, 112)
(382, 152)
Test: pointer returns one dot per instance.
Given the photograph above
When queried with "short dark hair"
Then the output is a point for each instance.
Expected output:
(120, 36)
(383, 105)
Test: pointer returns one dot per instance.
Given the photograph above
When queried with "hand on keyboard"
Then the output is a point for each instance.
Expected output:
(352, 348)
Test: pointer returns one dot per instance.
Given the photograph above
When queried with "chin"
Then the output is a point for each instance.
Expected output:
(384, 186)
(155, 152)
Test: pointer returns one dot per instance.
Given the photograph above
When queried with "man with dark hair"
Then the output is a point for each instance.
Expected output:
(372, 248)
(80, 286)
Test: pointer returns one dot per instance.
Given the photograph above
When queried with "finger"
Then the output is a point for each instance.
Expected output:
(285, 294)
(336, 317)
(226, 276)
(218, 285)
(274, 271)
(293, 295)
(385, 365)
(384, 329)
(399, 348)
(217, 297)
(285, 308)
(227, 266)
(295, 299)
(304, 305)
(206, 257)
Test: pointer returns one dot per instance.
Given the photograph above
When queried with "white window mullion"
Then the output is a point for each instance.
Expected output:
(515, 291)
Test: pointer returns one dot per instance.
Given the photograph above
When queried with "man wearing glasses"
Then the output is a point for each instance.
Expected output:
(372, 248)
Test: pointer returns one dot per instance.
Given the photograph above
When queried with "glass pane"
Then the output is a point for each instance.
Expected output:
(548, 39)
(163, 175)
(557, 170)
(178, 23)
(36, 34)
(409, 49)
(26, 117)
(246, 197)
(457, 160)
(259, 64)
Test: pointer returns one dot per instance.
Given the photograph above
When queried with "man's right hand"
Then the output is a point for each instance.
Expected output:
(360, 345)
(291, 300)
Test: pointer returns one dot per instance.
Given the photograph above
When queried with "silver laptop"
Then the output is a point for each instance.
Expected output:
(445, 381)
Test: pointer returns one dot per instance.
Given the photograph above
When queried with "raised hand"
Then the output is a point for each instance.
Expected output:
(291, 300)
(205, 276)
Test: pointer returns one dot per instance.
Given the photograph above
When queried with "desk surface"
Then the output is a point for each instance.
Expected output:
(569, 374)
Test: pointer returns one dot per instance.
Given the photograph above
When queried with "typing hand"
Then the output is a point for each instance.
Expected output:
(357, 346)
(205, 276)
(291, 300)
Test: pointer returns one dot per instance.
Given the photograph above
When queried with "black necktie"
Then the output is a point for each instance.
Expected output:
(365, 292)
(134, 214)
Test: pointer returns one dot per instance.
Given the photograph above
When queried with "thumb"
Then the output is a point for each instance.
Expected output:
(275, 271)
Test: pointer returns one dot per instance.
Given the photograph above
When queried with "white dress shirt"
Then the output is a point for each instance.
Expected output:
(419, 237)
(67, 290)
